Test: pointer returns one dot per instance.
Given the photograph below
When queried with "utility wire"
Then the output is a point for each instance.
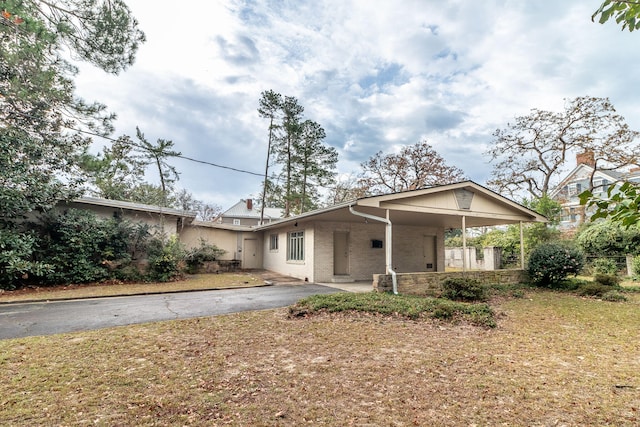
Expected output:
(4, 21)
(180, 156)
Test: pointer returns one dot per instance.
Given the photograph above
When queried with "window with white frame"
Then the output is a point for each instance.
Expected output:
(236, 221)
(295, 246)
(575, 189)
(273, 242)
(600, 185)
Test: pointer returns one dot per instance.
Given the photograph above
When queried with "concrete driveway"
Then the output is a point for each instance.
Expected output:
(46, 318)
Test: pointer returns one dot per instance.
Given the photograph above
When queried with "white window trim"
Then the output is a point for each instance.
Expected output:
(295, 247)
(273, 238)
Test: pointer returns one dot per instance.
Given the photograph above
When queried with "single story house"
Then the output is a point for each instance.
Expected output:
(392, 233)
(388, 234)
(161, 219)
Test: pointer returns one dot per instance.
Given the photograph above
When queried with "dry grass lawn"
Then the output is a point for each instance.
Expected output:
(554, 359)
(192, 282)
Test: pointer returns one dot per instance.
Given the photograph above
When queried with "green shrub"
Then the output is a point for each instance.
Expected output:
(408, 306)
(635, 266)
(614, 296)
(607, 279)
(196, 257)
(606, 266)
(17, 263)
(166, 259)
(551, 263)
(81, 247)
(594, 289)
(463, 289)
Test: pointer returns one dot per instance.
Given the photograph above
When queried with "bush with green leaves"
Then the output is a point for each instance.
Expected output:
(551, 263)
(81, 247)
(607, 279)
(196, 257)
(17, 262)
(166, 259)
(608, 238)
(614, 296)
(635, 267)
(596, 289)
(463, 289)
(604, 266)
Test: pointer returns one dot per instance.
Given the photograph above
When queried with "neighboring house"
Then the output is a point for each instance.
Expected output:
(166, 220)
(246, 213)
(579, 180)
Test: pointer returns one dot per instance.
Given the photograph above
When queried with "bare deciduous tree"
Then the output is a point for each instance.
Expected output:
(415, 166)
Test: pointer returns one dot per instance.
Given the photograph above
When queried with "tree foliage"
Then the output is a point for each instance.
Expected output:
(414, 167)
(41, 118)
(530, 154)
(625, 12)
(316, 163)
(306, 163)
(622, 204)
(608, 238)
(114, 173)
(344, 189)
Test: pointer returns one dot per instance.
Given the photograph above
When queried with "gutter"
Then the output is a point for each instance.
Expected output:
(388, 247)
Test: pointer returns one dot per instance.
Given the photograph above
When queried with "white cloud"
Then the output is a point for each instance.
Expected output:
(374, 74)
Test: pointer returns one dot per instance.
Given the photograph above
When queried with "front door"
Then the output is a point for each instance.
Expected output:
(340, 253)
(429, 253)
(250, 254)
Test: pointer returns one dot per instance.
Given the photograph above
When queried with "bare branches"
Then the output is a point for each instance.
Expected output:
(531, 154)
(414, 167)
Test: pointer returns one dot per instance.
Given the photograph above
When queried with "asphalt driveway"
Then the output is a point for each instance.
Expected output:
(47, 318)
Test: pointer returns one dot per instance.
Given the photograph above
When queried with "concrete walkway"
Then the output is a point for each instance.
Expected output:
(272, 278)
(357, 287)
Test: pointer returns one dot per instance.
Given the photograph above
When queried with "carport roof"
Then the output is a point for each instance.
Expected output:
(443, 206)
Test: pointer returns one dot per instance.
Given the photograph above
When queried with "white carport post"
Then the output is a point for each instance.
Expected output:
(388, 244)
(464, 243)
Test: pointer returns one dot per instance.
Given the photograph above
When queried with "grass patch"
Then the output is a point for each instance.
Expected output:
(555, 359)
(193, 282)
(403, 306)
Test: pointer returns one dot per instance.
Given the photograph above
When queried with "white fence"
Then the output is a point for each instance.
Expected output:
(491, 260)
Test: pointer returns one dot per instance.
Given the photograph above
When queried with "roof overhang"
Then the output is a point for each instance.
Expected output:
(442, 206)
(140, 207)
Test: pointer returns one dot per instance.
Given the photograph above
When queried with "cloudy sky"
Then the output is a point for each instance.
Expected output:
(375, 74)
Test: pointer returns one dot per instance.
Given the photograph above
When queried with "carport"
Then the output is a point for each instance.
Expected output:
(403, 217)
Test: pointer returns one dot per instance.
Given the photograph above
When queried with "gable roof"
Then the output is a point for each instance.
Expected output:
(240, 210)
(583, 168)
(443, 206)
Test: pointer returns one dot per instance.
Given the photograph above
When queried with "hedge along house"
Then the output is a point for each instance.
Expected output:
(393, 233)
(168, 221)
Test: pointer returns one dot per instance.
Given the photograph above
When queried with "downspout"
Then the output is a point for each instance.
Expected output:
(388, 246)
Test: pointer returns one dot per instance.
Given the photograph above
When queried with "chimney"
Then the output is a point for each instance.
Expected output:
(249, 204)
(586, 158)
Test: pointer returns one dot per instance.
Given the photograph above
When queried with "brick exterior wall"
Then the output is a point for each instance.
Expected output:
(364, 260)
(276, 260)
(431, 283)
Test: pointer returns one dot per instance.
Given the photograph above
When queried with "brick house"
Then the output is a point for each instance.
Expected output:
(352, 241)
(401, 232)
